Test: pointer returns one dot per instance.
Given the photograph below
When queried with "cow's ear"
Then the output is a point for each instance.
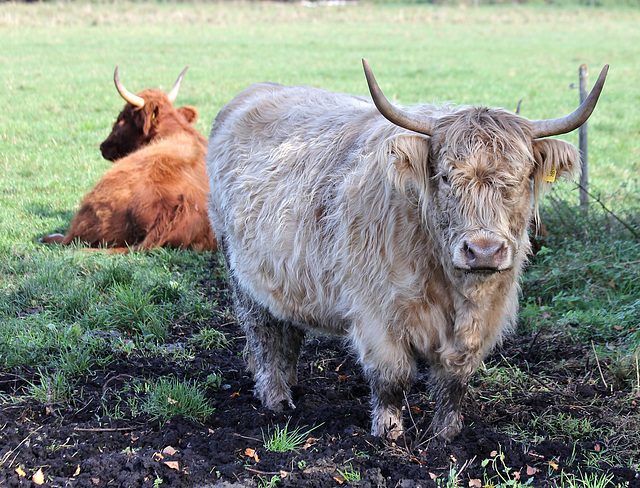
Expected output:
(409, 160)
(189, 113)
(150, 117)
(553, 158)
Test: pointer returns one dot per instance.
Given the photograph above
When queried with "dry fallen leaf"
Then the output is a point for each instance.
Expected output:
(169, 451)
(95, 480)
(77, 471)
(252, 454)
(173, 465)
(283, 474)
(433, 476)
(597, 448)
(493, 454)
(531, 471)
(38, 478)
(310, 441)
(339, 479)
(475, 483)
(20, 471)
(553, 465)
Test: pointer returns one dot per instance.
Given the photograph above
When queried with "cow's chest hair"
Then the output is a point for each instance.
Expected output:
(455, 326)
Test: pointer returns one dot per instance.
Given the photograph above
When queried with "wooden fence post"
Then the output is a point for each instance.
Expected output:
(583, 144)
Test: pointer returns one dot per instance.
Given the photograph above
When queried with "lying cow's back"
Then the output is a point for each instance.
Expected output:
(152, 184)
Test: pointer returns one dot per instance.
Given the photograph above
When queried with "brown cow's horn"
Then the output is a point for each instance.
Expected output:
(554, 127)
(134, 100)
(173, 94)
(407, 120)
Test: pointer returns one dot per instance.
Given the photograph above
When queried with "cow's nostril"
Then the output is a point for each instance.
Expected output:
(469, 255)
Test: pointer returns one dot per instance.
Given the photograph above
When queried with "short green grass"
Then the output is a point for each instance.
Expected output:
(349, 473)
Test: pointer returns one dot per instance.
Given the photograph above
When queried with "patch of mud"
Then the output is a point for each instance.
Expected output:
(509, 434)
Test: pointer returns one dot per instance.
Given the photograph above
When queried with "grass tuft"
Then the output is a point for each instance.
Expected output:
(283, 439)
(168, 397)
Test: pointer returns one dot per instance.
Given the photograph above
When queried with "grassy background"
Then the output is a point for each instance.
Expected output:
(58, 103)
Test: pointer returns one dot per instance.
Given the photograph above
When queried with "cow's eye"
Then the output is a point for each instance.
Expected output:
(445, 179)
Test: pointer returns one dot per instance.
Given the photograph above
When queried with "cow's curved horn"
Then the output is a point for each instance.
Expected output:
(134, 100)
(554, 127)
(407, 120)
(173, 94)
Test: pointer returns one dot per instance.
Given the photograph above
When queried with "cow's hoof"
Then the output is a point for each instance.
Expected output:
(387, 424)
(51, 239)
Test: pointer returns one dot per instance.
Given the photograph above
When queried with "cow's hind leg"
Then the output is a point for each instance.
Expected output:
(293, 341)
(271, 351)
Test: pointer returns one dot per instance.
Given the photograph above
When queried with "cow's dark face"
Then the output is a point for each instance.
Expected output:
(136, 127)
(127, 134)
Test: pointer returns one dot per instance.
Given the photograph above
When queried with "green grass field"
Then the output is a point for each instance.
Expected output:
(58, 103)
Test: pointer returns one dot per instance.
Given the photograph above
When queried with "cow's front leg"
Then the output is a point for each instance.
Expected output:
(390, 370)
(448, 393)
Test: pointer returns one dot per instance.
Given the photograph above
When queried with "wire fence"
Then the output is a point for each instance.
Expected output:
(608, 217)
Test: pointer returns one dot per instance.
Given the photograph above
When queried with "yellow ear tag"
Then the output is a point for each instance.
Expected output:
(551, 175)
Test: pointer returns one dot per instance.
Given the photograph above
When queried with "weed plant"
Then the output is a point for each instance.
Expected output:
(266, 482)
(209, 338)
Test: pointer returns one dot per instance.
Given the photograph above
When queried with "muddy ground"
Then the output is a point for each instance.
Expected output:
(513, 426)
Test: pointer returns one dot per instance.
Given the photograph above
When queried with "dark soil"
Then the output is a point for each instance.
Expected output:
(509, 431)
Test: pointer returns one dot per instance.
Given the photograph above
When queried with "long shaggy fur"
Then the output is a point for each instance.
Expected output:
(333, 219)
(155, 197)
(155, 194)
